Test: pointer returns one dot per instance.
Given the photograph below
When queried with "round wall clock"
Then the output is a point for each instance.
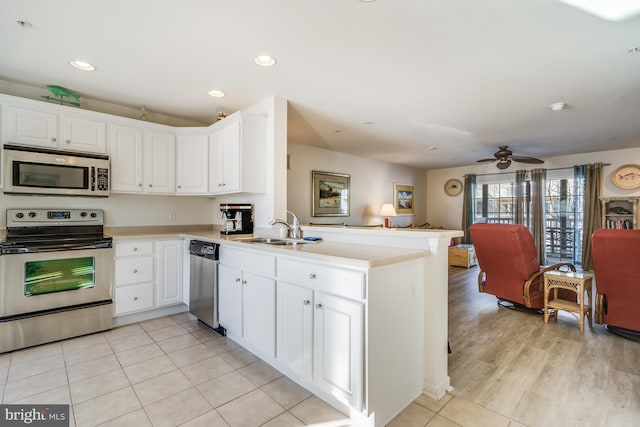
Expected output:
(453, 187)
(627, 177)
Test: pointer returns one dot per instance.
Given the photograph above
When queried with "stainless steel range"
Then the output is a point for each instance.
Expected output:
(56, 274)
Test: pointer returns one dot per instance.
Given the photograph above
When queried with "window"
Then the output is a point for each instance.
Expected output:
(564, 204)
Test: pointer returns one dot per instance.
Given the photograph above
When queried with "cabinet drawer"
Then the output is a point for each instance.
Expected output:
(254, 262)
(134, 248)
(134, 270)
(332, 280)
(133, 298)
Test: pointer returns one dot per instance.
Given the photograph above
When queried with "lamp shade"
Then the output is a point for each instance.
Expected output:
(387, 210)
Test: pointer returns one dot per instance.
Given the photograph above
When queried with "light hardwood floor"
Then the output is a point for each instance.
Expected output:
(535, 373)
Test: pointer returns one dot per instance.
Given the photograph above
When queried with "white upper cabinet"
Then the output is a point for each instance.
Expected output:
(126, 159)
(31, 127)
(43, 128)
(83, 134)
(237, 148)
(159, 162)
(192, 162)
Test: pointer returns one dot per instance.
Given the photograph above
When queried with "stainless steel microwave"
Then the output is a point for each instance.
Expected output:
(52, 172)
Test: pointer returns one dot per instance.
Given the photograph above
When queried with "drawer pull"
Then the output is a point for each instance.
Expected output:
(135, 298)
(307, 302)
(53, 139)
(312, 276)
(135, 249)
(135, 270)
(318, 305)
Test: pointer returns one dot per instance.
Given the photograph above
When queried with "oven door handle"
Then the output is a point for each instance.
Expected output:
(8, 250)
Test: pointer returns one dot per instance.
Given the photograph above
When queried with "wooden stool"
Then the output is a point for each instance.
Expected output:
(580, 283)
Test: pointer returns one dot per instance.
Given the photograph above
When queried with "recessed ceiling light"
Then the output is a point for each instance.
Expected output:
(432, 147)
(634, 50)
(265, 60)
(216, 93)
(24, 24)
(557, 106)
(82, 65)
(609, 10)
(368, 123)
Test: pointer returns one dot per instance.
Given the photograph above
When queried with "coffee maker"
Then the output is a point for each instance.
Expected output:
(238, 218)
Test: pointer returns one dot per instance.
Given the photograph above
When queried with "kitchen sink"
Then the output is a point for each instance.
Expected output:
(276, 241)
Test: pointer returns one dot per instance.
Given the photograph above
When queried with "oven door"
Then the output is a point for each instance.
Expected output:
(40, 281)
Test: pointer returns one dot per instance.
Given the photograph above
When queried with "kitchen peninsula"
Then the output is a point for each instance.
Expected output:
(359, 319)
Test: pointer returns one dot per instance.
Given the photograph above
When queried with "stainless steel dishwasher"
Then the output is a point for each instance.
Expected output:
(203, 283)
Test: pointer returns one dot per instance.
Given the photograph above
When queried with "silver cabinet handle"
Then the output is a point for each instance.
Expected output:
(312, 276)
(140, 184)
(179, 186)
(53, 139)
(244, 282)
(307, 302)
(68, 141)
(237, 279)
(318, 305)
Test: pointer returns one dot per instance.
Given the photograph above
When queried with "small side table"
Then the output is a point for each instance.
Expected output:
(462, 256)
(578, 282)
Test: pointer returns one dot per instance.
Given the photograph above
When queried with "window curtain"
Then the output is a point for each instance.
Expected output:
(579, 188)
(520, 197)
(592, 218)
(468, 206)
(538, 177)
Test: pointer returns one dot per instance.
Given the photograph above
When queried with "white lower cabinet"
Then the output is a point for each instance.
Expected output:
(321, 334)
(247, 298)
(148, 274)
(168, 272)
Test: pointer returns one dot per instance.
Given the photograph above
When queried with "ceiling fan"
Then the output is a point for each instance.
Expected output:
(504, 156)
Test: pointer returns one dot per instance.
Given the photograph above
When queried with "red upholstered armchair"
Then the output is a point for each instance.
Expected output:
(509, 268)
(616, 260)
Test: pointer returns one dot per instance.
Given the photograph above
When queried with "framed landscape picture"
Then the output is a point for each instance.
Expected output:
(403, 199)
(330, 194)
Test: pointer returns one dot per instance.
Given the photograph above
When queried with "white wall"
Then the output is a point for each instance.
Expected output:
(371, 185)
(447, 211)
(123, 209)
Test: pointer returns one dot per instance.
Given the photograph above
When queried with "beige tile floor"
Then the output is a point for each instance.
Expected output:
(172, 371)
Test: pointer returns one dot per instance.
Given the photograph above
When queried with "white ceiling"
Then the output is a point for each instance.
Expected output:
(385, 79)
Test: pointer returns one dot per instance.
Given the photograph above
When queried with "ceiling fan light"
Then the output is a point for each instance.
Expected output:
(503, 164)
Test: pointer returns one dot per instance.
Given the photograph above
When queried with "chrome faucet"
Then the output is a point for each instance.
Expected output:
(294, 228)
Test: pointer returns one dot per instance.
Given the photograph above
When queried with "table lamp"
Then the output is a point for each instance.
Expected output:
(387, 211)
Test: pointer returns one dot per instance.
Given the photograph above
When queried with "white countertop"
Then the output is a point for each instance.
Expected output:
(349, 254)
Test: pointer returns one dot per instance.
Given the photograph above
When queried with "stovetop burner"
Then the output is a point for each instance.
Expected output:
(43, 230)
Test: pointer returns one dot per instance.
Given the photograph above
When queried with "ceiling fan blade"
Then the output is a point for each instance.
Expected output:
(487, 160)
(523, 159)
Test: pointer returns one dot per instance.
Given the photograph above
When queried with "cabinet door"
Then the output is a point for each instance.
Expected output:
(259, 312)
(216, 162)
(126, 159)
(192, 169)
(230, 299)
(338, 347)
(31, 127)
(169, 272)
(295, 328)
(159, 163)
(231, 157)
(81, 134)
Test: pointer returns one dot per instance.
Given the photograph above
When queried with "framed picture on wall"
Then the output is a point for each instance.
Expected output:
(403, 198)
(330, 194)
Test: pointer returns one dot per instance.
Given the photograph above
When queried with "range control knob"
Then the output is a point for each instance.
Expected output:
(93, 214)
(19, 215)
(32, 214)
(83, 214)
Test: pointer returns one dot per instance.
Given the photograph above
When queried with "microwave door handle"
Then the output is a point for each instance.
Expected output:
(93, 178)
